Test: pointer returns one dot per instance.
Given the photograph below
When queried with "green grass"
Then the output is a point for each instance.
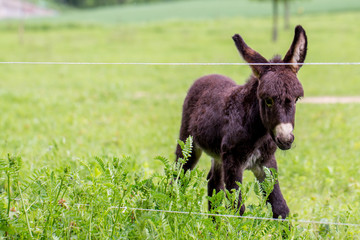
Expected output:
(102, 199)
(199, 41)
(64, 115)
(198, 10)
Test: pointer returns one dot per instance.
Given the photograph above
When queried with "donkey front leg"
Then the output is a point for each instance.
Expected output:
(276, 199)
(215, 179)
(233, 172)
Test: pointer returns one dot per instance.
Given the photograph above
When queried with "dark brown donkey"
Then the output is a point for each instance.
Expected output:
(240, 127)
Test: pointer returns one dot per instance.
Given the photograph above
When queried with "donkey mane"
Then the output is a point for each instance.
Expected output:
(276, 59)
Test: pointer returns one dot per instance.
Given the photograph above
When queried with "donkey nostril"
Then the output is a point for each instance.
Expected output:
(284, 144)
(285, 140)
(292, 138)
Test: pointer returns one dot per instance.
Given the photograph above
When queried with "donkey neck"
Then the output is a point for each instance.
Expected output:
(248, 98)
(249, 93)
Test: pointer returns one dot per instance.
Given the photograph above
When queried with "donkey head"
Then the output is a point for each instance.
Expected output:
(278, 86)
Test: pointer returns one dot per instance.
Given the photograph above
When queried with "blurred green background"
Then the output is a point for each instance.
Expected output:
(53, 115)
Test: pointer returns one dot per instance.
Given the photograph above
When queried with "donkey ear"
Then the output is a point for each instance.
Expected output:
(250, 56)
(297, 52)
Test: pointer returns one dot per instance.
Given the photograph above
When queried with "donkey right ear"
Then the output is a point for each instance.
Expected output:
(250, 56)
(297, 52)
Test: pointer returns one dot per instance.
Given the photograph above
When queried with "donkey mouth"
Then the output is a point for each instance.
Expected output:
(283, 145)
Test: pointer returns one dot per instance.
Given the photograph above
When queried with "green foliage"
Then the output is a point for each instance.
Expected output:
(265, 188)
(102, 199)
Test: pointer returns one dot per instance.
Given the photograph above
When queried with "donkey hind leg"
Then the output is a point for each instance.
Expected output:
(276, 199)
(192, 160)
(215, 179)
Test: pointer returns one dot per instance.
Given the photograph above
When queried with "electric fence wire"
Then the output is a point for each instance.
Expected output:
(178, 63)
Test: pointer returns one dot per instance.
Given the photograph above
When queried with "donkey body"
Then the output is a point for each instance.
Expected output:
(241, 126)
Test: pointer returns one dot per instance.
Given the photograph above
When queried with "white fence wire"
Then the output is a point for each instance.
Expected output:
(238, 216)
(300, 221)
(177, 63)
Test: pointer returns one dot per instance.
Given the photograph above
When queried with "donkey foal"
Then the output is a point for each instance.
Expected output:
(241, 126)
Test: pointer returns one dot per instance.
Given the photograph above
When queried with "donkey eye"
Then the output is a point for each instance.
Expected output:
(269, 102)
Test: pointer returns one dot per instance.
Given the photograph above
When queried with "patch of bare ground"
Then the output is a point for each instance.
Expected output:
(22, 9)
(306, 100)
(331, 100)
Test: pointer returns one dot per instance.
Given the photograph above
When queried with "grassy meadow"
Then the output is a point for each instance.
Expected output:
(90, 134)
(195, 10)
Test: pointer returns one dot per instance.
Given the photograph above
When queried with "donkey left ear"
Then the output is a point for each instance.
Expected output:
(297, 52)
(251, 56)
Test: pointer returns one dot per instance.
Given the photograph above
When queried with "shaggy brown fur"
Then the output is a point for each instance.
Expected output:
(240, 127)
